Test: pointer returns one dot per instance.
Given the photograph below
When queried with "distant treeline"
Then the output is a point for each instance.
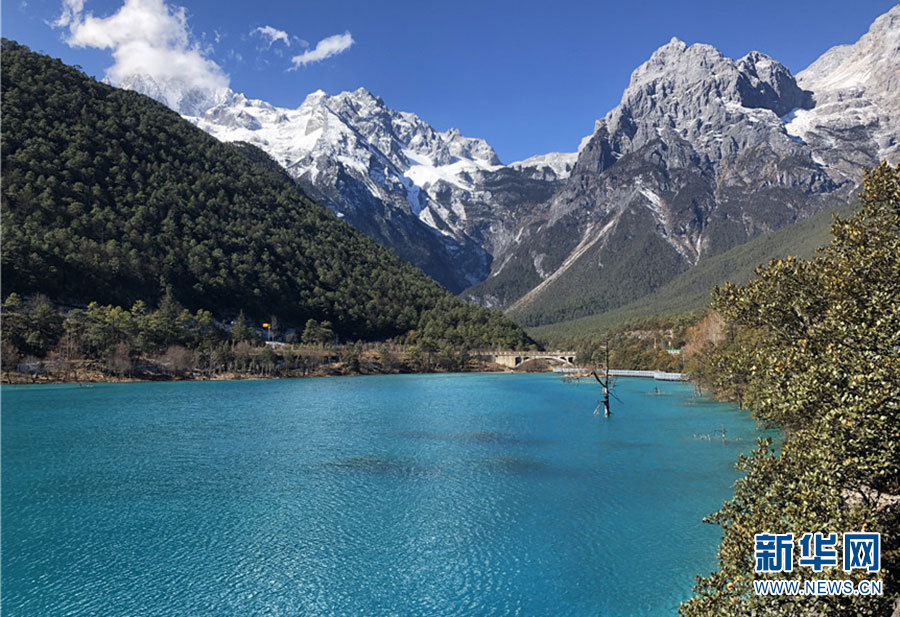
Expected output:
(109, 196)
(170, 341)
(654, 343)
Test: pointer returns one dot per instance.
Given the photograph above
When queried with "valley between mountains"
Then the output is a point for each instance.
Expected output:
(702, 154)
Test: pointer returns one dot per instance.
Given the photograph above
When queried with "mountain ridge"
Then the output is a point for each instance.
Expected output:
(698, 156)
(426, 194)
(109, 196)
(702, 153)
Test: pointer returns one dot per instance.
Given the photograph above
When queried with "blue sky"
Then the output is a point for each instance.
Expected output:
(529, 77)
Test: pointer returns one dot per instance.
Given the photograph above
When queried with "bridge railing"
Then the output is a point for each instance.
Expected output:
(660, 375)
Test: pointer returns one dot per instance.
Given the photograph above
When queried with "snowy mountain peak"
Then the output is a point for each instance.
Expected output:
(313, 98)
(558, 165)
(872, 63)
(855, 89)
(387, 172)
(360, 100)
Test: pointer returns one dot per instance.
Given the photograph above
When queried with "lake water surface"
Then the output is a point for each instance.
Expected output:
(418, 495)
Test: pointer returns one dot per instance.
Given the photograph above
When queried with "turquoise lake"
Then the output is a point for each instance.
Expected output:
(408, 495)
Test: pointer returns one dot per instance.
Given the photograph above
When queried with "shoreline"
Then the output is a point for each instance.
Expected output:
(21, 379)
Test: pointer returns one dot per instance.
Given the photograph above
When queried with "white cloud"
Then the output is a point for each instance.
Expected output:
(70, 10)
(146, 37)
(272, 35)
(325, 48)
(150, 38)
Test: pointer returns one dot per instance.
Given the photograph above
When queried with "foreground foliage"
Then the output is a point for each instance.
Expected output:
(814, 347)
(109, 196)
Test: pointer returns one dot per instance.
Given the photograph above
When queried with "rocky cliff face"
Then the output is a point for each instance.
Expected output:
(442, 201)
(856, 118)
(702, 153)
(694, 160)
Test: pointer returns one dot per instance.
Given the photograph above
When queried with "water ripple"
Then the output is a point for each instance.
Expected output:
(408, 496)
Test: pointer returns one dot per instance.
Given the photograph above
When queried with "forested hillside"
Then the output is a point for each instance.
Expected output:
(690, 292)
(109, 196)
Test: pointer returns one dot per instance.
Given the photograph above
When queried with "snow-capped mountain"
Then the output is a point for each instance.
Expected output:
(856, 118)
(177, 94)
(375, 167)
(436, 197)
(553, 165)
(702, 153)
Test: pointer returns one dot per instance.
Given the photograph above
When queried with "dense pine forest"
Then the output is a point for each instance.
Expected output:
(813, 347)
(110, 197)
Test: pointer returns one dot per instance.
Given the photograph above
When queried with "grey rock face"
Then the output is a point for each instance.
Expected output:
(856, 118)
(702, 153)
(694, 160)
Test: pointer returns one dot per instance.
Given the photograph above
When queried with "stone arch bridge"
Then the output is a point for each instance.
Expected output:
(512, 359)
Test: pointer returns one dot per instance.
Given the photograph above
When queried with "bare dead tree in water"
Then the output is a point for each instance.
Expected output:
(604, 383)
